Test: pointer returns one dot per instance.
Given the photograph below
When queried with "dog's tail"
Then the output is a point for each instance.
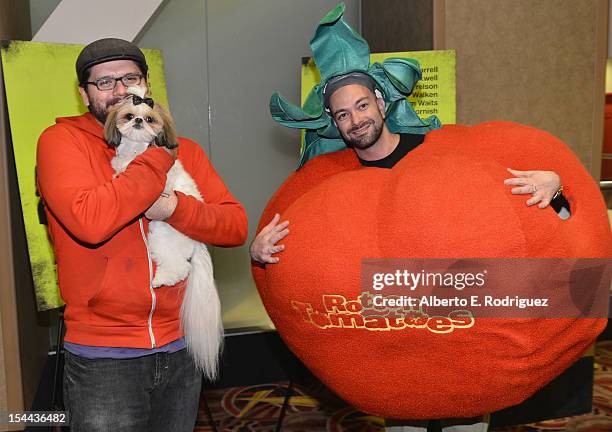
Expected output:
(201, 314)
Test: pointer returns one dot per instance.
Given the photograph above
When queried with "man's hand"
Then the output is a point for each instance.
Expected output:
(162, 208)
(542, 185)
(264, 245)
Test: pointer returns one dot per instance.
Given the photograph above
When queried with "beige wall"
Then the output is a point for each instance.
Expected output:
(11, 395)
(23, 342)
(540, 63)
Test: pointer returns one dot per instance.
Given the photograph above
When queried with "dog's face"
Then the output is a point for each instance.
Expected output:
(139, 123)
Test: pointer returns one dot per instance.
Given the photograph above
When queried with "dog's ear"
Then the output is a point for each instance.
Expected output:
(111, 133)
(167, 138)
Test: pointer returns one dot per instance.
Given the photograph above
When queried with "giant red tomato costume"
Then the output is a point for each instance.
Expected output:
(445, 199)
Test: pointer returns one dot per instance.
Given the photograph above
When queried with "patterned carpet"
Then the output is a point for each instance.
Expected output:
(316, 409)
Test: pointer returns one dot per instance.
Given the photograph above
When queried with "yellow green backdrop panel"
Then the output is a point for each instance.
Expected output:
(41, 84)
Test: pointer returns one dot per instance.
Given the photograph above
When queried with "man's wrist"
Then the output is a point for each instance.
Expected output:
(164, 207)
(172, 203)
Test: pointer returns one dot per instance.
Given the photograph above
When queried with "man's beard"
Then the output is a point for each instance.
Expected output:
(364, 141)
(101, 113)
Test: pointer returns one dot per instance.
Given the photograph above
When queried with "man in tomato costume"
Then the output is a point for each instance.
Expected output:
(408, 188)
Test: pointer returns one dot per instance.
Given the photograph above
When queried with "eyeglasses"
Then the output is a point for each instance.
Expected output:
(109, 83)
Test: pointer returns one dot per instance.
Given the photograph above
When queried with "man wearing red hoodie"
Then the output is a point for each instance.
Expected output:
(126, 363)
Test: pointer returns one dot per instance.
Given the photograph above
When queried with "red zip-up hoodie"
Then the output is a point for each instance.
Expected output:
(99, 232)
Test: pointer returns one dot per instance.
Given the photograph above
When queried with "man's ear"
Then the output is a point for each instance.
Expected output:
(381, 106)
(84, 96)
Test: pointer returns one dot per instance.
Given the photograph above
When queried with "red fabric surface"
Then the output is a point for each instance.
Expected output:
(446, 199)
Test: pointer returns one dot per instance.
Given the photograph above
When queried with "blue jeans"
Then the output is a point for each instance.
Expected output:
(158, 392)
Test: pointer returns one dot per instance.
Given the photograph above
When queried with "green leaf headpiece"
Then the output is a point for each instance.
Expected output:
(337, 50)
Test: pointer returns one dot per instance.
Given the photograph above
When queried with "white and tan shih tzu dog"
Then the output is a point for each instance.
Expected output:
(135, 124)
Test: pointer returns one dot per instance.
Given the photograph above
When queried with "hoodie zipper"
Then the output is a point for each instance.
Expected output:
(153, 297)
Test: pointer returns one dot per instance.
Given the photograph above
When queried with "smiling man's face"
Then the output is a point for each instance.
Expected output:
(358, 115)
